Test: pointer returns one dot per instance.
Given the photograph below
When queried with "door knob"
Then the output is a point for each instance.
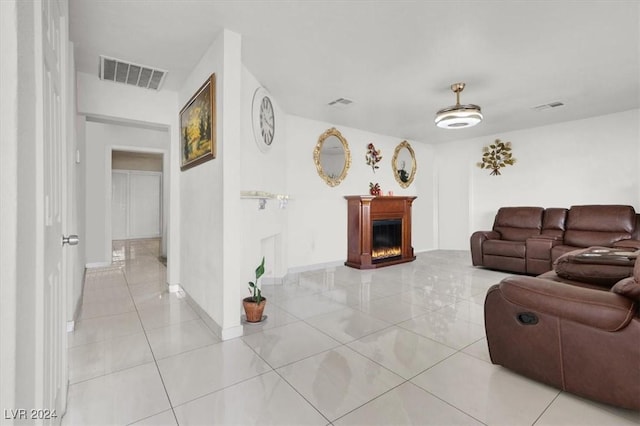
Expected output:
(72, 240)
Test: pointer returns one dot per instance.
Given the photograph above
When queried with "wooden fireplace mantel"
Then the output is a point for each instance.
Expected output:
(362, 211)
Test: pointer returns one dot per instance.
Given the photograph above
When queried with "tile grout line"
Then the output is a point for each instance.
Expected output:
(547, 407)
(152, 354)
(275, 370)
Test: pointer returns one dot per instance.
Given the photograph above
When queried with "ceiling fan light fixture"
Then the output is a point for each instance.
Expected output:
(458, 116)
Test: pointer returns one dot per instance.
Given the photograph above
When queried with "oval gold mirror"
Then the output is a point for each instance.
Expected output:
(332, 157)
(404, 164)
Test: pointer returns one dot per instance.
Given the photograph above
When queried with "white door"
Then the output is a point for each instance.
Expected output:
(145, 204)
(136, 204)
(51, 130)
(119, 205)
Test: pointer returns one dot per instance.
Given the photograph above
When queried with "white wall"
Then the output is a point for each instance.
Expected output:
(120, 103)
(317, 217)
(210, 195)
(590, 161)
(116, 101)
(101, 139)
(262, 171)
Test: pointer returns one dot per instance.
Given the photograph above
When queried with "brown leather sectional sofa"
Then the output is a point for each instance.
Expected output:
(580, 337)
(528, 240)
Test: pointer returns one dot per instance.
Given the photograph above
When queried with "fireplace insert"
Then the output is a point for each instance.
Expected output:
(386, 239)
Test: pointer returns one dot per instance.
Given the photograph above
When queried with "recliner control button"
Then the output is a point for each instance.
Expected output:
(527, 318)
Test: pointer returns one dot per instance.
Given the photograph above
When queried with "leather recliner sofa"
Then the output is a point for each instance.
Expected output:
(528, 240)
(582, 338)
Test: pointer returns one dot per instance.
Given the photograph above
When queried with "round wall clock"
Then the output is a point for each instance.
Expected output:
(263, 118)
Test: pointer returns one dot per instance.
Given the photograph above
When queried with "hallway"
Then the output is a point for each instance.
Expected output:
(121, 333)
(399, 345)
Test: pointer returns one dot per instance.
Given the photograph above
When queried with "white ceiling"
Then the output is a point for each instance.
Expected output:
(394, 59)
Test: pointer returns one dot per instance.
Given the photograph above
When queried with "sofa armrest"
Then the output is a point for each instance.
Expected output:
(594, 308)
(627, 244)
(541, 245)
(476, 240)
(628, 287)
(487, 235)
(538, 254)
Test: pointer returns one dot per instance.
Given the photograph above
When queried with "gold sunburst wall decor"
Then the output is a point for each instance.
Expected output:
(496, 156)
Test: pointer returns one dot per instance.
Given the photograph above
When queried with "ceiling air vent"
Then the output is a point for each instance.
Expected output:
(129, 73)
(341, 102)
(555, 104)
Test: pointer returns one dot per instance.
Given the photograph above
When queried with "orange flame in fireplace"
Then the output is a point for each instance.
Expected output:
(384, 252)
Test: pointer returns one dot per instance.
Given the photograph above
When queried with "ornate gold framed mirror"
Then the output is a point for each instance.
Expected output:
(332, 157)
(404, 164)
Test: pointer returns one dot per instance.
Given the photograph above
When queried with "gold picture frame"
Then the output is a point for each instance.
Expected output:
(198, 126)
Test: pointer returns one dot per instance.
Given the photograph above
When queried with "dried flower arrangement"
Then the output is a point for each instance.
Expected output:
(373, 157)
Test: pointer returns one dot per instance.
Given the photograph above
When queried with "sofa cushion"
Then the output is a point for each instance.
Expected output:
(554, 222)
(599, 225)
(595, 265)
(504, 248)
(559, 250)
(518, 223)
(593, 238)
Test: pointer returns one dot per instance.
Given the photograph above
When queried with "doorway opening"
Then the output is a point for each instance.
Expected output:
(138, 202)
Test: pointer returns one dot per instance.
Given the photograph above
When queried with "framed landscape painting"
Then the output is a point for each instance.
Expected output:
(198, 126)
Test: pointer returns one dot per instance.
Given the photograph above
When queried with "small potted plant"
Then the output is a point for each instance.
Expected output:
(374, 189)
(254, 304)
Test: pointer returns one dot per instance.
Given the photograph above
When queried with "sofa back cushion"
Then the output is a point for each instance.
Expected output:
(554, 222)
(518, 223)
(636, 232)
(599, 225)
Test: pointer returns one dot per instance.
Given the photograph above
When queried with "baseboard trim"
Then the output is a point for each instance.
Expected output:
(315, 267)
(232, 332)
(97, 265)
(423, 250)
(223, 334)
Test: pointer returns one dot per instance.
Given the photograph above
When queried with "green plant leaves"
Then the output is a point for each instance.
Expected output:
(260, 270)
(253, 287)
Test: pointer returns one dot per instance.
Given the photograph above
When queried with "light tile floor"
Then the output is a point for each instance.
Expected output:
(399, 345)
